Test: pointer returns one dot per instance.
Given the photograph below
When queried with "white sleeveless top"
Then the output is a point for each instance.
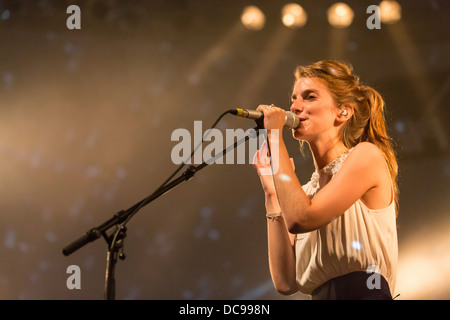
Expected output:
(360, 239)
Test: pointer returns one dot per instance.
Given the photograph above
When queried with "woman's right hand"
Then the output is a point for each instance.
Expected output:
(261, 162)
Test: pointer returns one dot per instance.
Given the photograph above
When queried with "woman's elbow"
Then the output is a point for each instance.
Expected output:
(297, 226)
(287, 290)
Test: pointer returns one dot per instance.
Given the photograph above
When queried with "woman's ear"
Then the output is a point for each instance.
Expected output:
(345, 112)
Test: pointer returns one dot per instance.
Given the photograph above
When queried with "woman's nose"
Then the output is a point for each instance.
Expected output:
(296, 107)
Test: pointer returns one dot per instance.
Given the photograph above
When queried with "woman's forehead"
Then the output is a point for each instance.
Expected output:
(303, 84)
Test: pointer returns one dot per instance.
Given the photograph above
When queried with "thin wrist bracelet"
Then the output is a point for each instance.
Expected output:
(272, 216)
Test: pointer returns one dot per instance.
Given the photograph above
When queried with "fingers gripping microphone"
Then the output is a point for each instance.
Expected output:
(291, 120)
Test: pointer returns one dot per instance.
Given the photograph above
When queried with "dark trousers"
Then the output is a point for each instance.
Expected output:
(353, 286)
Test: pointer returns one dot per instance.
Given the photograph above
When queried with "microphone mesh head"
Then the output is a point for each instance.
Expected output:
(292, 120)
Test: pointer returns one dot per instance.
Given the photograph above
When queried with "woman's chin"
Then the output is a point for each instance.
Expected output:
(301, 136)
(298, 134)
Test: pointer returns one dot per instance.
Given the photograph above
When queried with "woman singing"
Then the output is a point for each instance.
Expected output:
(328, 237)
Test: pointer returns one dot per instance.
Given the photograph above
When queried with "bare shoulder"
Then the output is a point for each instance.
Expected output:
(366, 155)
(365, 170)
(367, 151)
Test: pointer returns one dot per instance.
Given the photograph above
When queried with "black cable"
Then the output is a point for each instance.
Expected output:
(144, 202)
(193, 152)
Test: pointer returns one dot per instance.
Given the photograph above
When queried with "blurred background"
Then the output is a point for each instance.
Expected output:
(86, 118)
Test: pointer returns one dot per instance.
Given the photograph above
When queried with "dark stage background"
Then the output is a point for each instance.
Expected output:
(86, 118)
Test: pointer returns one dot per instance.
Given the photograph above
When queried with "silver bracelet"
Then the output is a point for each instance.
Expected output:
(272, 216)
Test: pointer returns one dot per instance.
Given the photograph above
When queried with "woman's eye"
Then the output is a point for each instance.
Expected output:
(310, 97)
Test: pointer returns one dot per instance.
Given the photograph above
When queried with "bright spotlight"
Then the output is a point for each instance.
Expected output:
(390, 11)
(253, 18)
(293, 15)
(340, 15)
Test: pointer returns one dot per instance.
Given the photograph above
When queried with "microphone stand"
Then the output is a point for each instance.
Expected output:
(116, 237)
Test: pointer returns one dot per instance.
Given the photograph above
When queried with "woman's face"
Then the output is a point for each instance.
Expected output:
(313, 103)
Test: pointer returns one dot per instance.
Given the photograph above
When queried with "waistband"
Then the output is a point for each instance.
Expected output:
(358, 285)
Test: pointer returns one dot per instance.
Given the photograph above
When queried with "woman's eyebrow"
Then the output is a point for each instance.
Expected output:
(306, 92)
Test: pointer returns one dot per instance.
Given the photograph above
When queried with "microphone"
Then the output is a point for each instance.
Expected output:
(291, 121)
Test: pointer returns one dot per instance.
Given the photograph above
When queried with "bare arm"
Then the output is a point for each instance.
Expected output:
(363, 171)
(281, 255)
(281, 249)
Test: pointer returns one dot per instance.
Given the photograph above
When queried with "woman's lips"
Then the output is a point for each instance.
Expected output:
(302, 123)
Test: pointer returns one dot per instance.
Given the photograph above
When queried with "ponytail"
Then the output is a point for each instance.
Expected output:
(376, 133)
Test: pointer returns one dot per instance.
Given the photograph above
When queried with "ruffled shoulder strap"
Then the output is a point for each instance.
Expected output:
(333, 167)
(330, 169)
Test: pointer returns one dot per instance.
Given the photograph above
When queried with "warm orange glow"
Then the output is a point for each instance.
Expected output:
(340, 15)
(390, 11)
(253, 18)
(424, 265)
(293, 16)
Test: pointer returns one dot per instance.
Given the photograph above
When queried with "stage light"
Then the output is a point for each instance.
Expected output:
(390, 11)
(253, 18)
(340, 15)
(293, 16)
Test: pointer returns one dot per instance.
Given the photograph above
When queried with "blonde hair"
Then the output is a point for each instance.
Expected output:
(368, 120)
